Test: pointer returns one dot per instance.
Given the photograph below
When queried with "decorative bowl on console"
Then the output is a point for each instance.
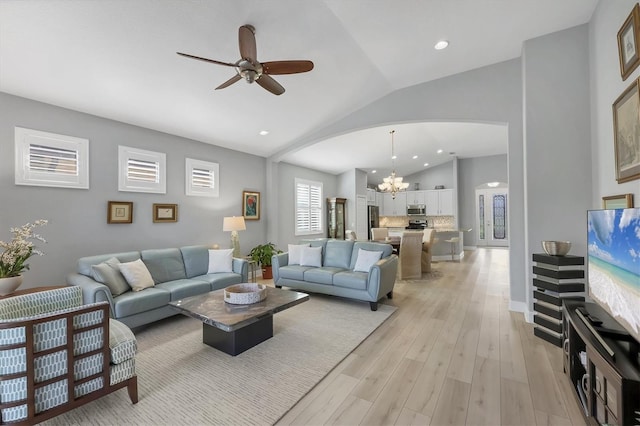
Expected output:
(245, 294)
(556, 248)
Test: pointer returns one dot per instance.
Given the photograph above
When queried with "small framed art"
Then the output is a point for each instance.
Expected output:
(623, 201)
(628, 43)
(120, 212)
(163, 213)
(251, 205)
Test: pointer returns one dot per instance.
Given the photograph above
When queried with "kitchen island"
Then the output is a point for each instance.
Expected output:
(441, 249)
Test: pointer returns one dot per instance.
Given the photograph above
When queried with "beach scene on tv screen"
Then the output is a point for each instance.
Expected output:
(614, 264)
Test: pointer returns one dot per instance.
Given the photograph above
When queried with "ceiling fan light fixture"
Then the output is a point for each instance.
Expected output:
(249, 75)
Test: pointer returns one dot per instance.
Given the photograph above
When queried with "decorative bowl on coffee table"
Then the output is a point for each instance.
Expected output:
(245, 294)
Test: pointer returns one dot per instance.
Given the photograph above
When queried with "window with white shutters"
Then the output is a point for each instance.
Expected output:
(49, 159)
(141, 171)
(201, 178)
(308, 200)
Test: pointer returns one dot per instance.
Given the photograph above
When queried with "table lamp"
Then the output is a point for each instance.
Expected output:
(234, 224)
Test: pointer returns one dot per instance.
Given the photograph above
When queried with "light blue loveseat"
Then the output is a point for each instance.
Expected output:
(336, 275)
(177, 273)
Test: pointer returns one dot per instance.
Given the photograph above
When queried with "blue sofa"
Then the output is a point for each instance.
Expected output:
(336, 275)
(177, 273)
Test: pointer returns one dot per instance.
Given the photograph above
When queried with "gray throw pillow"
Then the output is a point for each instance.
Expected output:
(108, 273)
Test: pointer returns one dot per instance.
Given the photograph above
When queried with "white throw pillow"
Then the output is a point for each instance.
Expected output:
(136, 274)
(311, 256)
(366, 259)
(295, 252)
(220, 261)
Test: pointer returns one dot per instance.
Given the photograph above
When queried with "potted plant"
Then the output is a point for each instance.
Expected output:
(262, 254)
(15, 254)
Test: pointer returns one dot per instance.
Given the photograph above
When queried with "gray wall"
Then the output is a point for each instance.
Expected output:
(491, 94)
(606, 86)
(558, 163)
(77, 218)
(473, 172)
(284, 208)
(442, 174)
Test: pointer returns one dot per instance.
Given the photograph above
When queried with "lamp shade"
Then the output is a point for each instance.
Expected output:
(233, 223)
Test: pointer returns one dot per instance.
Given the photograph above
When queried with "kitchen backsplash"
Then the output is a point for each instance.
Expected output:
(402, 221)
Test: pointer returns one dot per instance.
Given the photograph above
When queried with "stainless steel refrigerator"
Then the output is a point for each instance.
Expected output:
(374, 219)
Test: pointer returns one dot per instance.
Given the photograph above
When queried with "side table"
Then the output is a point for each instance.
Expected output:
(253, 268)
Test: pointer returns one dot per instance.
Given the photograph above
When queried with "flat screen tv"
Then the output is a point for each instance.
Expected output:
(613, 265)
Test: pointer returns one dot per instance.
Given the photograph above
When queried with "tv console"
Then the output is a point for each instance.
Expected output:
(601, 361)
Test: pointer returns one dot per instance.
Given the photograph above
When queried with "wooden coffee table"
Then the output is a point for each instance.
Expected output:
(235, 328)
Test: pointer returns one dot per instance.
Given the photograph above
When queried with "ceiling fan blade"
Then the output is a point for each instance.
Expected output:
(286, 67)
(270, 84)
(247, 41)
(229, 82)
(213, 61)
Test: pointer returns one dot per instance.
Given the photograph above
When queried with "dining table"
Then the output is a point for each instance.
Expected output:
(394, 242)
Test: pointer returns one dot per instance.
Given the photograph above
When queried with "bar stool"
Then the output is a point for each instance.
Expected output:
(454, 242)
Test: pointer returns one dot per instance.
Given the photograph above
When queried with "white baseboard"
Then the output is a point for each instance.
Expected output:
(521, 307)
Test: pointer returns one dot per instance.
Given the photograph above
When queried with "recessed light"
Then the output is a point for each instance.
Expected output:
(442, 44)
(394, 157)
(264, 132)
(426, 164)
(415, 156)
(439, 151)
(373, 171)
(493, 184)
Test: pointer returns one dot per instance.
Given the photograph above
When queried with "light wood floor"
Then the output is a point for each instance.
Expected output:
(452, 354)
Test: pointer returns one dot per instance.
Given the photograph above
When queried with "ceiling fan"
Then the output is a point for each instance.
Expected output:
(251, 70)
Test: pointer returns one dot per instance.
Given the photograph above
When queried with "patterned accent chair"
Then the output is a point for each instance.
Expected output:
(57, 354)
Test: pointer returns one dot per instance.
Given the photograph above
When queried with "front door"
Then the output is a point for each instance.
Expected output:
(491, 217)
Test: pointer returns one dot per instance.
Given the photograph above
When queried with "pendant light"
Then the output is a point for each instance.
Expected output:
(393, 183)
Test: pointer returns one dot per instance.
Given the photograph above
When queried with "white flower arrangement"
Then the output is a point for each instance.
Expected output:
(20, 249)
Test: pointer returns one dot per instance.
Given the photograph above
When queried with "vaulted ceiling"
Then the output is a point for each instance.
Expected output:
(117, 59)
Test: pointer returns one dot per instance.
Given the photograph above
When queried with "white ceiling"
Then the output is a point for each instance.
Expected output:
(116, 59)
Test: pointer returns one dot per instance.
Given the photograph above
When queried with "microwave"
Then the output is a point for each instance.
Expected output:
(416, 210)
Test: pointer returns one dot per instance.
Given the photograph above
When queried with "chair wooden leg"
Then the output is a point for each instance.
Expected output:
(132, 388)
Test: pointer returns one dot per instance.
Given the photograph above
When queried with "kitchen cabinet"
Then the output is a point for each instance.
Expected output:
(336, 217)
(372, 199)
(416, 197)
(440, 202)
(394, 207)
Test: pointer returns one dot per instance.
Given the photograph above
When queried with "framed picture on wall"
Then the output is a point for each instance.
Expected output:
(623, 201)
(163, 213)
(120, 212)
(251, 205)
(626, 121)
(628, 43)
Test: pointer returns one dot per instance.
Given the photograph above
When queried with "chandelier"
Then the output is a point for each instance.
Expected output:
(393, 183)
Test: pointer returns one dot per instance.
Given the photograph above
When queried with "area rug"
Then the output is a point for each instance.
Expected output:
(181, 381)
